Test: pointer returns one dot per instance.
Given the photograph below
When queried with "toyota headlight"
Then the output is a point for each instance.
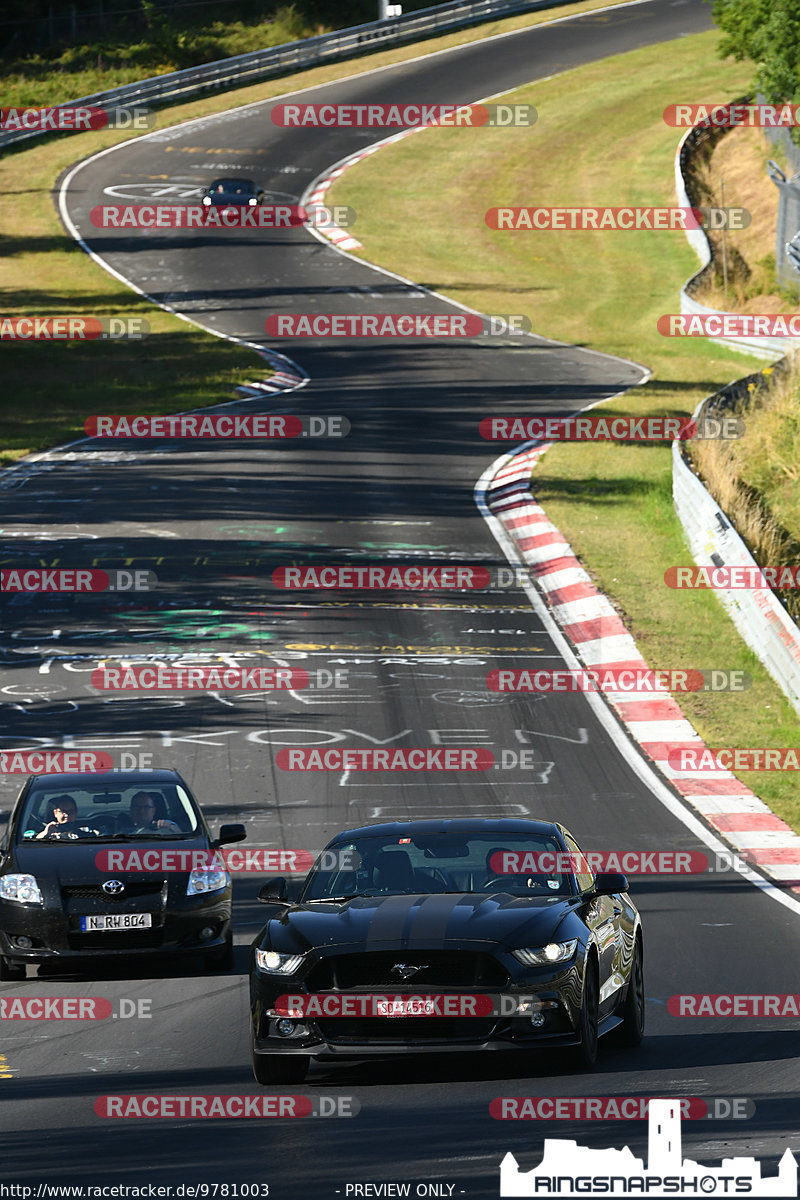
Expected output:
(545, 956)
(203, 879)
(22, 888)
(278, 964)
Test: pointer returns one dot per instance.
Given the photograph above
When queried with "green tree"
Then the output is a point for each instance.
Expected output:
(768, 33)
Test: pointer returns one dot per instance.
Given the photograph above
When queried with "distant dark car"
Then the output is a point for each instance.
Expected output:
(444, 935)
(223, 193)
(63, 897)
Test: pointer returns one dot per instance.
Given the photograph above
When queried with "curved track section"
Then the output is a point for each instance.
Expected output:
(213, 522)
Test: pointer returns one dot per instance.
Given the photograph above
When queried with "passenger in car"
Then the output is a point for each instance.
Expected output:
(64, 822)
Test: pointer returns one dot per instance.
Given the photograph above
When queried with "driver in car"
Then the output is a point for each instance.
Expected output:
(64, 824)
(143, 815)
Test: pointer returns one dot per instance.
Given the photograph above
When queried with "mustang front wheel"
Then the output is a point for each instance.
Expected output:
(585, 1054)
(631, 1031)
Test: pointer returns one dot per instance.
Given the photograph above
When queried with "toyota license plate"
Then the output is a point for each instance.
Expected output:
(116, 921)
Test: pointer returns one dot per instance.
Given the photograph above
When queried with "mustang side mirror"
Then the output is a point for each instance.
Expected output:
(274, 889)
(607, 883)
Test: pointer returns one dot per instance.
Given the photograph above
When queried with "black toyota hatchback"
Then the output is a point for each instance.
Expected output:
(98, 866)
(458, 935)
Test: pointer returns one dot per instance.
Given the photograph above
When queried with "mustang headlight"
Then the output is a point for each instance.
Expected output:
(22, 888)
(202, 879)
(553, 952)
(278, 964)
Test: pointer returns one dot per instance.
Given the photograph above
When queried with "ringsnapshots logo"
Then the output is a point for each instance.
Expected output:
(21, 579)
(568, 1169)
(219, 426)
(401, 326)
(72, 329)
(403, 116)
(619, 219)
(607, 429)
(75, 119)
(619, 679)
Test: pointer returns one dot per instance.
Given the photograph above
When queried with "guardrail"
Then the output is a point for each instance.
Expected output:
(243, 69)
(759, 347)
(759, 616)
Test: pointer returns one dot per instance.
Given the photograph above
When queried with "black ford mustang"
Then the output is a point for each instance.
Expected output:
(444, 935)
(232, 192)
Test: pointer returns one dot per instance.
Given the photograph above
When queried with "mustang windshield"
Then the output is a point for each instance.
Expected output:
(454, 863)
(233, 187)
(105, 810)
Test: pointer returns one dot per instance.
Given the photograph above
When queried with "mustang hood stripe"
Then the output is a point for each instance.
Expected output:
(432, 918)
(391, 918)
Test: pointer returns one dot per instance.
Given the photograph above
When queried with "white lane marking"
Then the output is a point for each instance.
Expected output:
(627, 750)
(233, 113)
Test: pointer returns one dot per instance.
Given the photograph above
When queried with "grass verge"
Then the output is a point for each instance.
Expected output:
(50, 388)
(600, 139)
